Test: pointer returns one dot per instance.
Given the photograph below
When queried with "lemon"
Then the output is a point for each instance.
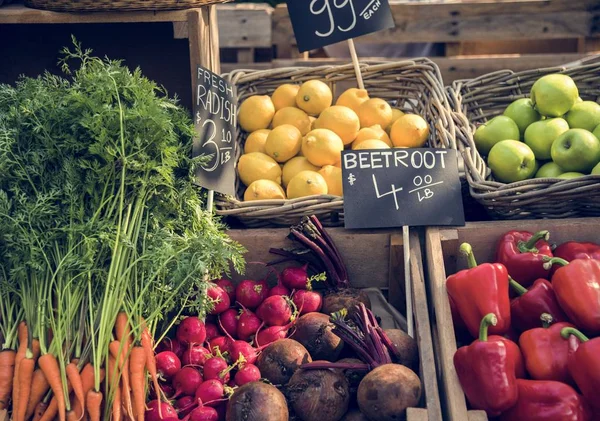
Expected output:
(410, 131)
(258, 166)
(373, 132)
(333, 178)
(263, 190)
(283, 142)
(313, 97)
(256, 141)
(322, 147)
(352, 98)
(256, 113)
(396, 114)
(338, 164)
(340, 120)
(306, 183)
(285, 96)
(294, 166)
(371, 144)
(312, 122)
(295, 117)
(374, 111)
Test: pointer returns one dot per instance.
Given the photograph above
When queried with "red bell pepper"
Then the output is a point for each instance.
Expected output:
(522, 253)
(577, 289)
(584, 366)
(486, 370)
(545, 352)
(478, 291)
(547, 401)
(526, 309)
(572, 250)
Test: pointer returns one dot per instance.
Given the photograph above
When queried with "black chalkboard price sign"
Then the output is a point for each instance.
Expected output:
(386, 188)
(318, 23)
(215, 114)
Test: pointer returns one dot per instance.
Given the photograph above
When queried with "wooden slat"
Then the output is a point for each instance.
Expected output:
(477, 416)
(245, 25)
(416, 414)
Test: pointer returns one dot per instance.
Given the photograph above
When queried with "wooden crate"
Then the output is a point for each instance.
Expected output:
(443, 259)
(373, 259)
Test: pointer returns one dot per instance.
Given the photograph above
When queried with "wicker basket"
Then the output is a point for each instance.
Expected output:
(477, 100)
(415, 86)
(116, 5)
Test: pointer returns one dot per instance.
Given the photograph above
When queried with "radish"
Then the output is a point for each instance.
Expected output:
(251, 293)
(204, 413)
(191, 330)
(220, 344)
(167, 364)
(248, 325)
(152, 413)
(248, 373)
(229, 322)
(172, 345)
(219, 298)
(244, 349)
(295, 277)
(210, 392)
(216, 368)
(307, 301)
(212, 331)
(195, 354)
(228, 287)
(185, 405)
(272, 334)
(275, 310)
(279, 290)
(167, 389)
(186, 381)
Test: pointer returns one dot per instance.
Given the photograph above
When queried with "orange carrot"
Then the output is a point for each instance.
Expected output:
(26, 368)
(72, 416)
(77, 384)
(137, 365)
(151, 363)
(39, 388)
(40, 409)
(7, 372)
(49, 366)
(53, 408)
(87, 382)
(35, 348)
(113, 381)
(94, 404)
(120, 356)
(22, 335)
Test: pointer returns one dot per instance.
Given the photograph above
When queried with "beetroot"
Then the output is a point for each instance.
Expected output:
(210, 392)
(185, 405)
(220, 344)
(248, 325)
(195, 354)
(404, 348)
(295, 277)
(257, 401)
(228, 287)
(275, 310)
(229, 322)
(307, 301)
(219, 298)
(248, 373)
(314, 331)
(345, 298)
(186, 381)
(204, 413)
(152, 414)
(191, 330)
(216, 368)
(272, 334)
(278, 362)
(172, 345)
(243, 349)
(167, 364)
(354, 377)
(212, 331)
(251, 293)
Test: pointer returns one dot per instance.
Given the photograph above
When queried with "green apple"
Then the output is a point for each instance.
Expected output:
(596, 132)
(540, 135)
(554, 95)
(584, 115)
(596, 170)
(549, 170)
(511, 160)
(523, 113)
(570, 175)
(497, 129)
(576, 150)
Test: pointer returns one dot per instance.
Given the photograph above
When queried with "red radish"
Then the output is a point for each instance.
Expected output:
(220, 343)
(168, 364)
(204, 413)
(186, 381)
(275, 310)
(248, 373)
(229, 322)
(228, 287)
(195, 354)
(307, 301)
(172, 345)
(295, 277)
(272, 334)
(167, 389)
(185, 405)
(191, 330)
(219, 298)
(251, 293)
(152, 414)
(243, 348)
(248, 325)
(216, 368)
(210, 392)
(279, 290)
(212, 331)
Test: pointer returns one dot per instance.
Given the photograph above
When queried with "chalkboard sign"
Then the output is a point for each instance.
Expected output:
(318, 23)
(215, 112)
(401, 187)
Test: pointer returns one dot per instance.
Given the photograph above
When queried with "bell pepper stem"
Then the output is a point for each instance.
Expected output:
(467, 250)
(565, 332)
(529, 245)
(488, 319)
(546, 319)
(519, 289)
(548, 262)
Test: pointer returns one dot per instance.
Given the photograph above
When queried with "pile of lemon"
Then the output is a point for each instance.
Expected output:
(296, 138)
